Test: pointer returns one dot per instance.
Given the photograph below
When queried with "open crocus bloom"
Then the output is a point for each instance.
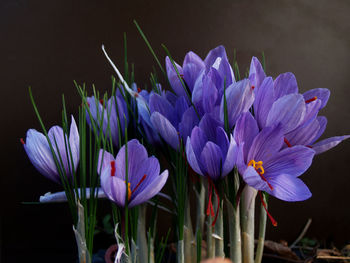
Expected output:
(39, 153)
(278, 101)
(144, 180)
(209, 151)
(265, 166)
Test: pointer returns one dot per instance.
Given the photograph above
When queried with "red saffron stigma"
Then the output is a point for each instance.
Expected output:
(136, 94)
(273, 221)
(310, 100)
(21, 140)
(210, 209)
(263, 177)
(112, 168)
(101, 101)
(138, 90)
(139, 183)
(309, 146)
(287, 142)
(253, 87)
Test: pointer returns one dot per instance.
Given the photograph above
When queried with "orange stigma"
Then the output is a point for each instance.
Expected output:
(273, 221)
(260, 170)
(112, 168)
(21, 140)
(287, 142)
(310, 100)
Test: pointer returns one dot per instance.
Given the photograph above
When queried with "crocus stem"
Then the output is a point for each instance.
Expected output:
(219, 232)
(141, 235)
(210, 241)
(188, 235)
(262, 229)
(200, 207)
(84, 256)
(180, 253)
(235, 232)
(247, 221)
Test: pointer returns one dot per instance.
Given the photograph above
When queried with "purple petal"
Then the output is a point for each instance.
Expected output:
(39, 153)
(285, 84)
(59, 144)
(106, 161)
(191, 158)
(209, 125)
(303, 135)
(198, 141)
(136, 155)
(266, 144)
(192, 67)
(264, 98)
(161, 105)
(212, 160)
(321, 94)
(289, 188)
(289, 111)
(218, 52)
(181, 106)
(322, 121)
(113, 186)
(226, 71)
(151, 190)
(189, 120)
(165, 129)
(239, 98)
(231, 157)
(210, 90)
(74, 142)
(253, 179)
(256, 73)
(150, 169)
(292, 161)
(174, 78)
(245, 131)
(328, 143)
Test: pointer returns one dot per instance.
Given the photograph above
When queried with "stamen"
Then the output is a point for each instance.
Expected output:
(287, 142)
(260, 170)
(310, 100)
(112, 168)
(22, 141)
(273, 221)
(129, 192)
(139, 183)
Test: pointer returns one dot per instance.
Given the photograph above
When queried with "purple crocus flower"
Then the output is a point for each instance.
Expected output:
(39, 153)
(172, 117)
(265, 166)
(278, 101)
(110, 110)
(209, 151)
(144, 180)
(189, 72)
(209, 86)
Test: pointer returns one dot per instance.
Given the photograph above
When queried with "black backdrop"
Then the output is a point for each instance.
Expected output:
(48, 44)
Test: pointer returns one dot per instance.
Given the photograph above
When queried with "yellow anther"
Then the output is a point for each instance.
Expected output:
(129, 191)
(257, 166)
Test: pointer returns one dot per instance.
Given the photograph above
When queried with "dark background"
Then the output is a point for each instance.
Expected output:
(48, 44)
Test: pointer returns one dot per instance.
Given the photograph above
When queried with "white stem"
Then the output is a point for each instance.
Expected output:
(219, 231)
(235, 232)
(247, 221)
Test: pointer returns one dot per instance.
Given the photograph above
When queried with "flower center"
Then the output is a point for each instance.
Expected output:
(310, 100)
(260, 170)
(136, 187)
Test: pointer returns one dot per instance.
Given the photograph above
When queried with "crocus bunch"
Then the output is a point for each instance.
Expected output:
(230, 139)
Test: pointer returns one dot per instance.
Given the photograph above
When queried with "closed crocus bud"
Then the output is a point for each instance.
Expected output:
(39, 152)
